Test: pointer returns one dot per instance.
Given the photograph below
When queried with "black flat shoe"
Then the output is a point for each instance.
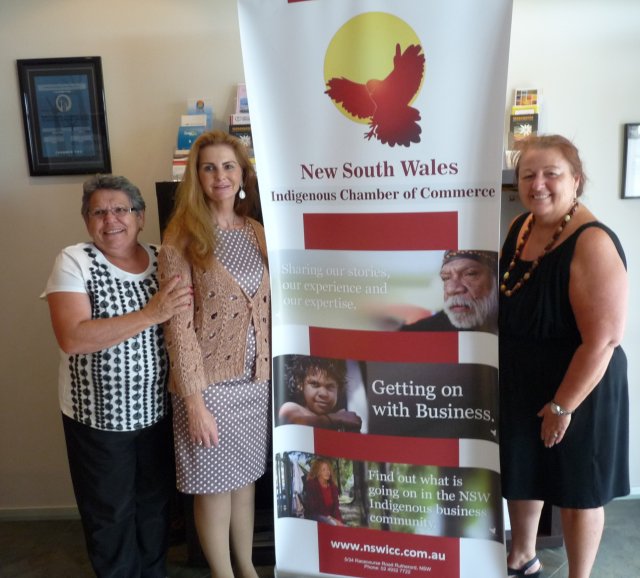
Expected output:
(523, 571)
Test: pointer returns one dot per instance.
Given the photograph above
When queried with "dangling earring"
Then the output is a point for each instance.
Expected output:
(241, 194)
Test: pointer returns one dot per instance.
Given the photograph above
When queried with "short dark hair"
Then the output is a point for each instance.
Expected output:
(111, 183)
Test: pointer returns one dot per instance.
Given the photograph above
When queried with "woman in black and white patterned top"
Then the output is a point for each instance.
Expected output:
(106, 312)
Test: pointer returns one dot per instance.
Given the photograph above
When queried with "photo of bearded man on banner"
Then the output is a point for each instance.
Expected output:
(469, 283)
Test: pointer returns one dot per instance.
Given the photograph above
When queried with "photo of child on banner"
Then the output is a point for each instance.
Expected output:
(398, 399)
(313, 391)
(407, 498)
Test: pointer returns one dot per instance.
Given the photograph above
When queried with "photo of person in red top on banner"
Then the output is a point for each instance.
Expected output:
(316, 392)
(320, 488)
(321, 501)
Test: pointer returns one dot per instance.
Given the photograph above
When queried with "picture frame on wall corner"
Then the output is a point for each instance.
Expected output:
(64, 115)
(631, 162)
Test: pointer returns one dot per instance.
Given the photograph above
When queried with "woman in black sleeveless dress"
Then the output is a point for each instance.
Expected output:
(563, 375)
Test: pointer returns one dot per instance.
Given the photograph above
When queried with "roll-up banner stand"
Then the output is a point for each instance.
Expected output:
(378, 135)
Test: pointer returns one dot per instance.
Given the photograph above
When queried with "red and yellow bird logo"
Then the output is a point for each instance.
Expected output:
(385, 104)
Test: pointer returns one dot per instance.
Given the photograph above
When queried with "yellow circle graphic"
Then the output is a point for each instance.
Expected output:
(373, 70)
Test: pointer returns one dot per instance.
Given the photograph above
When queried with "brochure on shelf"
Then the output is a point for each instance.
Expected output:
(522, 126)
(526, 96)
(191, 127)
(242, 102)
(198, 106)
(524, 120)
(240, 118)
(193, 120)
(187, 136)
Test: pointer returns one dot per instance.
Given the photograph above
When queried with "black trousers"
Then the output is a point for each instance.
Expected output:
(123, 483)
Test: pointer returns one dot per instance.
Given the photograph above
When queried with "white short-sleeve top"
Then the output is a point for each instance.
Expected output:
(124, 387)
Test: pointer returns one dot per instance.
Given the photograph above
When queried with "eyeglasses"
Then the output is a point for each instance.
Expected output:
(115, 211)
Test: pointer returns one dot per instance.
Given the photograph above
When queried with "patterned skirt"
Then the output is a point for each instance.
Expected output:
(242, 411)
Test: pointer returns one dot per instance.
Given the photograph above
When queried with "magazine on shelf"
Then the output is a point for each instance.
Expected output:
(243, 132)
(242, 102)
(178, 166)
(187, 136)
(191, 127)
(526, 97)
(524, 120)
(525, 109)
(522, 126)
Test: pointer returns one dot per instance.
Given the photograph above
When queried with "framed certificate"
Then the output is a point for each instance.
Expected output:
(631, 162)
(64, 116)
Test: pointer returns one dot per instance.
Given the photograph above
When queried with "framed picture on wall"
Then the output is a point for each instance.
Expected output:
(631, 162)
(64, 114)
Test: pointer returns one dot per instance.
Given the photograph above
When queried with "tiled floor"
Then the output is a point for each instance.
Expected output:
(55, 549)
(619, 553)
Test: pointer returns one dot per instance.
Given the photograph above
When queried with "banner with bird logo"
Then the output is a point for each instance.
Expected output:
(378, 139)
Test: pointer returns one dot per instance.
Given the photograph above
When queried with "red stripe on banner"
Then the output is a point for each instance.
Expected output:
(398, 346)
(381, 231)
(391, 449)
(352, 551)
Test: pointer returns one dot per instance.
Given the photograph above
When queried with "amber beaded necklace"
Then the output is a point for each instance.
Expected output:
(534, 264)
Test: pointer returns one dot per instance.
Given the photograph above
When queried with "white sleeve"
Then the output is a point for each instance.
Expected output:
(67, 274)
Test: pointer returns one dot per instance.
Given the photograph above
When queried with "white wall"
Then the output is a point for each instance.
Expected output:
(158, 53)
(155, 55)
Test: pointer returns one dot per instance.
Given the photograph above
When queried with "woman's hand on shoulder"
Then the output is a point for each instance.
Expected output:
(168, 301)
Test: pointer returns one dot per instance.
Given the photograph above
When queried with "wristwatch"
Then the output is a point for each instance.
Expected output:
(558, 410)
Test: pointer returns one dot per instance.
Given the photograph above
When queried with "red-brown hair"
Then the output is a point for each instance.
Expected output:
(554, 141)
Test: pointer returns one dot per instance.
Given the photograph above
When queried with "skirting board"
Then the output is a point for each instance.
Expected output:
(37, 514)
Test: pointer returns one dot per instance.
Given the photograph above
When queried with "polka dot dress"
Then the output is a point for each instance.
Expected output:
(240, 406)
